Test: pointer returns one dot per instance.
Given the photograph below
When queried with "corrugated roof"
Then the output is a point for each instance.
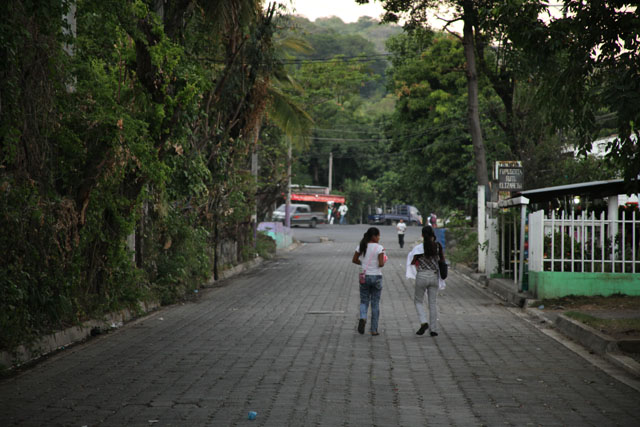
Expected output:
(594, 189)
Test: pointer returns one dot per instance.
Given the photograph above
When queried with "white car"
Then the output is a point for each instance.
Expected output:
(300, 214)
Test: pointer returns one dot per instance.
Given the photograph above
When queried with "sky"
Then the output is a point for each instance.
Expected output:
(350, 11)
(347, 10)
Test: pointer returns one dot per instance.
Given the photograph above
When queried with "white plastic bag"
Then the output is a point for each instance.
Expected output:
(441, 283)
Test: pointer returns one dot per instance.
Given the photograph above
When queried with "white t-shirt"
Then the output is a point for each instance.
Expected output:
(401, 227)
(343, 209)
(370, 264)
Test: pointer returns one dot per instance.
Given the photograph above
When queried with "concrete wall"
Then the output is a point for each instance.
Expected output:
(278, 232)
(61, 339)
(548, 284)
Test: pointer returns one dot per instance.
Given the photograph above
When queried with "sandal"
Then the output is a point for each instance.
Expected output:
(375, 333)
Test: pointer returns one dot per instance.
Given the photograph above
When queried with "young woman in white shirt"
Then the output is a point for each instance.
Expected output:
(370, 255)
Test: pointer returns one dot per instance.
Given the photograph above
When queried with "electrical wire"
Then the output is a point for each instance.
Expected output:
(358, 58)
(431, 130)
(368, 155)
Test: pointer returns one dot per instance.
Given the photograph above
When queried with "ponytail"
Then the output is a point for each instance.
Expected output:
(373, 231)
(430, 245)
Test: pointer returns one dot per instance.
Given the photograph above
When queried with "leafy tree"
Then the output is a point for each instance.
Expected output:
(415, 14)
(589, 62)
(342, 78)
(331, 95)
(428, 78)
(360, 193)
(142, 119)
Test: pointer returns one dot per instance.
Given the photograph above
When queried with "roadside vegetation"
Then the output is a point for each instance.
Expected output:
(126, 136)
(396, 124)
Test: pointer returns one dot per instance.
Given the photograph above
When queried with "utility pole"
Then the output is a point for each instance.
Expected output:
(254, 173)
(287, 209)
(330, 170)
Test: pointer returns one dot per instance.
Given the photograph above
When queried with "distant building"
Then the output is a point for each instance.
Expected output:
(599, 147)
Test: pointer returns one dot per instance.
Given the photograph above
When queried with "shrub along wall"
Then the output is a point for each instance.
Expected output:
(132, 117)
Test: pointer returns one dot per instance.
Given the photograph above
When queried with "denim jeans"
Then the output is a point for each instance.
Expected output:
(370, 293)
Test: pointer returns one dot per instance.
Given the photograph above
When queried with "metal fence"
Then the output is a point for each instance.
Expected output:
(584, 243)
(509, 254)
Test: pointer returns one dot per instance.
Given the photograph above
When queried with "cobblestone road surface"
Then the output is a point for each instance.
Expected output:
(281, 340)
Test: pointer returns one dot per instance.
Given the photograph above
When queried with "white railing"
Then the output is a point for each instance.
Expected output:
(584, 243)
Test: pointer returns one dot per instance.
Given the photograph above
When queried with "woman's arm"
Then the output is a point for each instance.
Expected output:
(381, 259)
(356, 258)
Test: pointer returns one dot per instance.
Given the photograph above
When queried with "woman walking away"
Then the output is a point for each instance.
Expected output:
(370, 255)
(422, 265)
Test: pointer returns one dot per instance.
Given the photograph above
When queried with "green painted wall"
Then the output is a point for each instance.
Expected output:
(547, 284)
(283, 240)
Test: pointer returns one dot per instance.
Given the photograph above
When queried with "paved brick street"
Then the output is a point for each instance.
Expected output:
(281, 340)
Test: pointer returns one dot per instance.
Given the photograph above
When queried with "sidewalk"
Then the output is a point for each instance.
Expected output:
(281, 340)
(624, 353)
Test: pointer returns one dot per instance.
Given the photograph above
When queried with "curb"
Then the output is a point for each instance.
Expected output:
(496, 287)
(51, 343)
(230, 272)
(590, 338)
(502, 291)
(600, 343)
(60, 340)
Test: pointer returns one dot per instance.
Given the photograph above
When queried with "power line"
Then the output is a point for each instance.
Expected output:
(368, 155)
(362, 155)
(431, 130)
(355, 58)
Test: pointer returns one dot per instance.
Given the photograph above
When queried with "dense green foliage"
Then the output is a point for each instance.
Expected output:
(343, 77)
(138, 119)
(568, 71)
(422, 152)
(429, 123)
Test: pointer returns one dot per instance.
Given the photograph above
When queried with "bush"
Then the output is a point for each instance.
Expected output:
(265, 246)
(462, 240)
(179, 257)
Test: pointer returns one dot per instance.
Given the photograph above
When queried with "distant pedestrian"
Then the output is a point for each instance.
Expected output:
(342, 210)
(329, 213)
(370, 255)
(433, 220)
(422, 265)
(401, 227)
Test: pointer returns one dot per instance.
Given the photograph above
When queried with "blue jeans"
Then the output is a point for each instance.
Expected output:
(370, 293)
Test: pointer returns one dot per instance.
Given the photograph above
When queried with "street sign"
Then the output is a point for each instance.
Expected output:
(510, 175)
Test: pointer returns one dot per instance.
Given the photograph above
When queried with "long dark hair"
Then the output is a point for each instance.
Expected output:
(430, 245)
(373, 231)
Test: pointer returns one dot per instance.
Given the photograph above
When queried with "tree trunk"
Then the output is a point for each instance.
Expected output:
(473, 113)
(216, 247)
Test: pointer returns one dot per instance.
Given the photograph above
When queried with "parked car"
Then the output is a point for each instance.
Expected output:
(300, 214)
(408, 213)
